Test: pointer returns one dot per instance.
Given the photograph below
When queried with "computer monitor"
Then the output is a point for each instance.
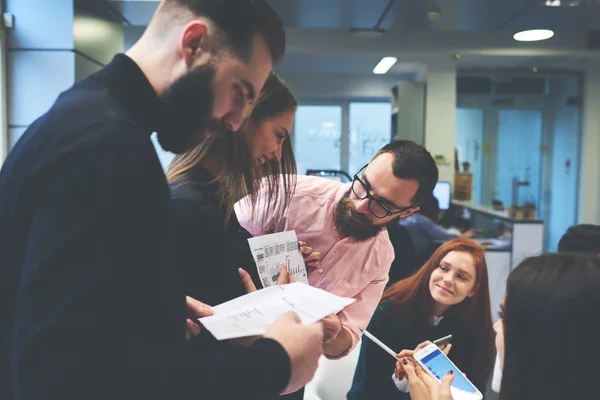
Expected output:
(442, 194)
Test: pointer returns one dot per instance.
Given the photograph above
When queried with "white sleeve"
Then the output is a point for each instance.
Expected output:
(402, 385)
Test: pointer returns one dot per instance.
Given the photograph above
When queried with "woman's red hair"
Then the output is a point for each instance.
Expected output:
(413, 304)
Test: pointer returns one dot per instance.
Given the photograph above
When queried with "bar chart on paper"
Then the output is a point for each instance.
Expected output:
(272, 251)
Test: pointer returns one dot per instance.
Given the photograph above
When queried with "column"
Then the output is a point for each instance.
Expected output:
(440, 115)
(589, 162)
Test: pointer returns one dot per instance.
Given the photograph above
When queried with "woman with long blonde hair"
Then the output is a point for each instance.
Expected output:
(206, 182)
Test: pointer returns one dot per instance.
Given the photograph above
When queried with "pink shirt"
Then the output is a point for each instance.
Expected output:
(348, 268)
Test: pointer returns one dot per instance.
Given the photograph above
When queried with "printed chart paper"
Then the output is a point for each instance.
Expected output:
(270, 252)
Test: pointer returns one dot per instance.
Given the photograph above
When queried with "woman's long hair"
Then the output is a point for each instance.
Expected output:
(239, 177)
(551, 328)
(413, 305)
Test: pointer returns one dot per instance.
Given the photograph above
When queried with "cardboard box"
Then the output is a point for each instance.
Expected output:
(463, 186)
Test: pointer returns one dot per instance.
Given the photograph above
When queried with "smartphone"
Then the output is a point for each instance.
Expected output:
(443, 341)
(437, 364)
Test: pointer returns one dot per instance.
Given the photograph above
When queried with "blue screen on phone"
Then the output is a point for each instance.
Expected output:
(439, 365)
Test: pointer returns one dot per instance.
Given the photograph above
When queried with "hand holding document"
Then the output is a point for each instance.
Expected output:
(270, 252)
(254, 312)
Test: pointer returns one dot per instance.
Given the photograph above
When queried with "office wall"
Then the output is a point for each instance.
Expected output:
(440, 115)
(97, 35)
(54, 43)
(31, 89)
(589, 162)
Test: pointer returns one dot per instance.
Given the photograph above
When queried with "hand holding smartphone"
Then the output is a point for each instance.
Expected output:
(437, 364)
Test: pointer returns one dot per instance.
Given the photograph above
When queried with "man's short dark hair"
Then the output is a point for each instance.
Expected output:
(412, 161)
(240, 21)
(582, 238)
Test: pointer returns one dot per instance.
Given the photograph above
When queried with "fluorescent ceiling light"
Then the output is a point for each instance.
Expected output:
(384, 65)
(367, 32)
(328, 125)
(533, 35)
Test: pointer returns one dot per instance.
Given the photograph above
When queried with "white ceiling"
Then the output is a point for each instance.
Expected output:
(480, 31)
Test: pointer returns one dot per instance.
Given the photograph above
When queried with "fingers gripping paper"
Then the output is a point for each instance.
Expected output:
(254, 312)
(270, 252)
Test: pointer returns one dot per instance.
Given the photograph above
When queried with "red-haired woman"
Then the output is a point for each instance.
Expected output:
(448, 295)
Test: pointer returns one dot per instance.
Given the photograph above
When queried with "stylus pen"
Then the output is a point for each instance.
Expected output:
(379, 343)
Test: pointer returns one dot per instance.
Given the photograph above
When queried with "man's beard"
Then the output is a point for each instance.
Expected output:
(188, 105)
(346, 226)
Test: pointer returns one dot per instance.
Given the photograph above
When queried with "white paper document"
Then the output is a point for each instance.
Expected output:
(271, 251)
(254, 312)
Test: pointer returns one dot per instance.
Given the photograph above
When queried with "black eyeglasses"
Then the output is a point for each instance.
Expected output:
(377, 208)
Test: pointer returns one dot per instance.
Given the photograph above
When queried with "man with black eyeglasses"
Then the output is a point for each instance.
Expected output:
(346, 224)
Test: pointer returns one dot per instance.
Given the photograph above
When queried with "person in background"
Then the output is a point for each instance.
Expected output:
(584, 238)
(549, 319)
(208, 180)
(405, 256)
(91, 305)
(345, 223)
(425, 231)
(448, 295)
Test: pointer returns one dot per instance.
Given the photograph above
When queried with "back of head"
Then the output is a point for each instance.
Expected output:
(238, 22)
(239, 176)
(430, 207)
(582, 238)
(412, 161)
(551, 328)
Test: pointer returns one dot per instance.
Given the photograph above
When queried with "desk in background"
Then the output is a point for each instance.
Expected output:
(507, 241)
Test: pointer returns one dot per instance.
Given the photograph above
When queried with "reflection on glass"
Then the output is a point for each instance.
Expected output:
(469, 142)
(370, 130)
(519, 156)
(317, 137)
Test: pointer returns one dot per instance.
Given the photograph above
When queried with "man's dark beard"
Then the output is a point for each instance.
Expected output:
(188, 105)
(348, 227)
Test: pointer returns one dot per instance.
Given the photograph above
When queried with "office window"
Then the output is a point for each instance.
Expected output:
(317, 137)
(519, 155)
(370, 130)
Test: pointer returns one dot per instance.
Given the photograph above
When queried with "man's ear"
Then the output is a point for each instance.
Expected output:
(410, 212)
(406, 213)
(194, 41)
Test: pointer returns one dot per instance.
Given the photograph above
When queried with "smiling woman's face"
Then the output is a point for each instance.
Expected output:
(454, 279)
(265, 139)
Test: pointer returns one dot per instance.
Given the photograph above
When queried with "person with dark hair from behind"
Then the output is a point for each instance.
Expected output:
(345, 223)
(546, 337)
(91, 304)
(448, 295)
(584, 238)
(405, 257)
(425, 231)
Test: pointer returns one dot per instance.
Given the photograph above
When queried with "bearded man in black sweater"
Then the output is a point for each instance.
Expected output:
(91, 305)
